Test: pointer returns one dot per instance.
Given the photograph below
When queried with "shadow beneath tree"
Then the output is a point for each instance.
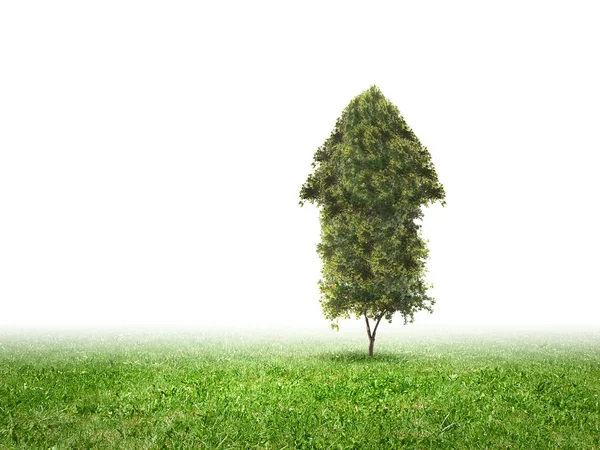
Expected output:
(362, 357)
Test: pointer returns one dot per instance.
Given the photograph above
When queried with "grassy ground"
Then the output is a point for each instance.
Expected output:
(235, 391)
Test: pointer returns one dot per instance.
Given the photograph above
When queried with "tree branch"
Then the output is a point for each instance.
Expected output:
(368, 327)
(377, 324)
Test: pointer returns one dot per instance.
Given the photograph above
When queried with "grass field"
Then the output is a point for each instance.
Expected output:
(425, 390)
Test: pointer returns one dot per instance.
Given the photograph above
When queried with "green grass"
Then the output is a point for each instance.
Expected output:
(235, 391)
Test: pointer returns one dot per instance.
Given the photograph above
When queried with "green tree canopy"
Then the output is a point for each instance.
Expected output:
(371, 178)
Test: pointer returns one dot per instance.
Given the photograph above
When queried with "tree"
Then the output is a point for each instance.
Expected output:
(371, 179)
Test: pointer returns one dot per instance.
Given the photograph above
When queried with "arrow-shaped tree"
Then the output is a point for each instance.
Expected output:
(370, 181)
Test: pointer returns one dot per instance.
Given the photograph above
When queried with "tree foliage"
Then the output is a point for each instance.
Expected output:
(371, 179)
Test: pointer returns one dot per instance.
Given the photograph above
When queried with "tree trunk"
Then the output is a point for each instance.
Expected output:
(371, 334)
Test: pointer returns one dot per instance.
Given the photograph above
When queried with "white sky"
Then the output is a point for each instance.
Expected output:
(151, 155)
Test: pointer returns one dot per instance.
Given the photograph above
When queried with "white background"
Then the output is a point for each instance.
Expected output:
(151, 155)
